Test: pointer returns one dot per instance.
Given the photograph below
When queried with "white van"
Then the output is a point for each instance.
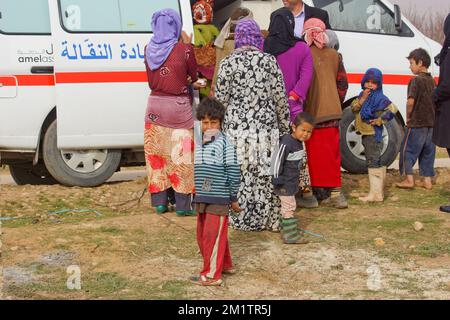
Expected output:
(372, 33)
(73, 86)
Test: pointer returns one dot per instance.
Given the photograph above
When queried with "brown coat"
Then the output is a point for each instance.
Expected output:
(323, 100)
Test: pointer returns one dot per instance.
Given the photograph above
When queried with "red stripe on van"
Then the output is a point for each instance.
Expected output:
(101, 77)
(8, 81)
(388, 79)
(36, 80)
(28, 80)
(140, 76)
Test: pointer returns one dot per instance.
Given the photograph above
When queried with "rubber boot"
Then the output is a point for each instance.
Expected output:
(384, 172)
(290, 233)
(306, 200)
(337, 199)
(376, 182)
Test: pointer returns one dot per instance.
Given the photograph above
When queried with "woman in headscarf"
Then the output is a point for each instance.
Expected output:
(224, 43)
(168, 138)
(324, 103)
(250, 84)
(295, 61)
(441, 133)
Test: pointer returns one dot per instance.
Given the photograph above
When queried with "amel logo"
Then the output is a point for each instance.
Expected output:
(33, 56)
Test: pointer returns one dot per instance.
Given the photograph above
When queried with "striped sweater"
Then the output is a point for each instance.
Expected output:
(217, 173)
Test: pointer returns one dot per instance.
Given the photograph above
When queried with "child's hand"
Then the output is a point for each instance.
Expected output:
(364, 96)
(199, 84)
(185, 38)
(376, 122)
(235, 207)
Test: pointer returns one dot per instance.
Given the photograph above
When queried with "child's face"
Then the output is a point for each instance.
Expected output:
(415, 67)
(303, 131)
(372, 85)
(210, 124)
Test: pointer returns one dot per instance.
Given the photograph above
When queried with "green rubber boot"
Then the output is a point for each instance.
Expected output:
(290, 233)
(187, 213)
(161, 209)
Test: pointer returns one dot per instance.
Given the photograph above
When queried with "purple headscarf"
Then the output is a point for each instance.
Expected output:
(248, 33)
(166, 26)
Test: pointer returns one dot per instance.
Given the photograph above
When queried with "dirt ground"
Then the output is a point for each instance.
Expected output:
(124, 250)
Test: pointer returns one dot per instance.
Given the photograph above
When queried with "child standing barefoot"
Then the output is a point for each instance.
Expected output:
(418, 143)
(286, 170)
(217, 180)
(372, 109)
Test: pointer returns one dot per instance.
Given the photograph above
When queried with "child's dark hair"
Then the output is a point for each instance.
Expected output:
(304, 117)
(420, 55)
(212, 108)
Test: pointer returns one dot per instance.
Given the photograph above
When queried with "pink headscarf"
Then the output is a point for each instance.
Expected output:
(314, 33)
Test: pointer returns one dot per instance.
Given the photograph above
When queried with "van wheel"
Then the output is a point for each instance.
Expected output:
(352, 150)
(26, 173)
(84, 168)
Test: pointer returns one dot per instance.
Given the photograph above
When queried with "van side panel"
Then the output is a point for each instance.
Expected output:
(25, 98)
(101, 83)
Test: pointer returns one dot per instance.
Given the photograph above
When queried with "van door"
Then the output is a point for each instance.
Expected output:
(26, 72)
(101, 83)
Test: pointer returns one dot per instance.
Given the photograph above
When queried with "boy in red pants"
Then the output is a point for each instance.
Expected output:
(217, 180)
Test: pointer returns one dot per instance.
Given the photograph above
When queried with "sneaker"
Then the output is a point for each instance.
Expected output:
(161, 209)
(204, 281)
(229, 271)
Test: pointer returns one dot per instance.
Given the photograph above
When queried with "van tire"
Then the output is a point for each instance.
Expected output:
(354, 164)
(26, 173)
(64, 174)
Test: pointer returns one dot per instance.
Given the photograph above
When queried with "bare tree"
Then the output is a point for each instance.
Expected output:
(429, 23)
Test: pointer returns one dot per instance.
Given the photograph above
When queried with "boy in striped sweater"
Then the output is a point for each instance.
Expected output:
(217, 180)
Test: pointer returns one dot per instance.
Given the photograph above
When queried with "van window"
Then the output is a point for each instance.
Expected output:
(111, 15)
(369, 16)
(24, 17)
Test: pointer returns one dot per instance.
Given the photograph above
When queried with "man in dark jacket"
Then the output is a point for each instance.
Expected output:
(303, 12)
(441, 132)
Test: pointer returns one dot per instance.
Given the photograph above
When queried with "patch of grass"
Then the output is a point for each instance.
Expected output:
(173, 290)
(105, 283)
(83, 202)
(111, 230)
(101, 241)
(433, 250)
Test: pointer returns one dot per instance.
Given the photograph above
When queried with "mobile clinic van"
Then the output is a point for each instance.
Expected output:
(73, 87)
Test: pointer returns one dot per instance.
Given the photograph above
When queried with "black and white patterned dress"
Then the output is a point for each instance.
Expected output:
(251, 86)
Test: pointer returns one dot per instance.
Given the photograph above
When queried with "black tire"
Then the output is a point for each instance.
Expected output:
(353, 164)
(26, 173)
(64, 174)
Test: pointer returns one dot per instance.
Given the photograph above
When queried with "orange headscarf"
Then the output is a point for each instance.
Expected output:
(314, 33)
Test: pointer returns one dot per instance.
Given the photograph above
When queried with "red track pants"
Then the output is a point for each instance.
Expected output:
(212, 238)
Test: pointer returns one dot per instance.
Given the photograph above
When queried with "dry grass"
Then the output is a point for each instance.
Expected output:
(132, 253)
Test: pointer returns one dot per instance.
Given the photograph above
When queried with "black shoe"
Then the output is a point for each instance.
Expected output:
(445, 209)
